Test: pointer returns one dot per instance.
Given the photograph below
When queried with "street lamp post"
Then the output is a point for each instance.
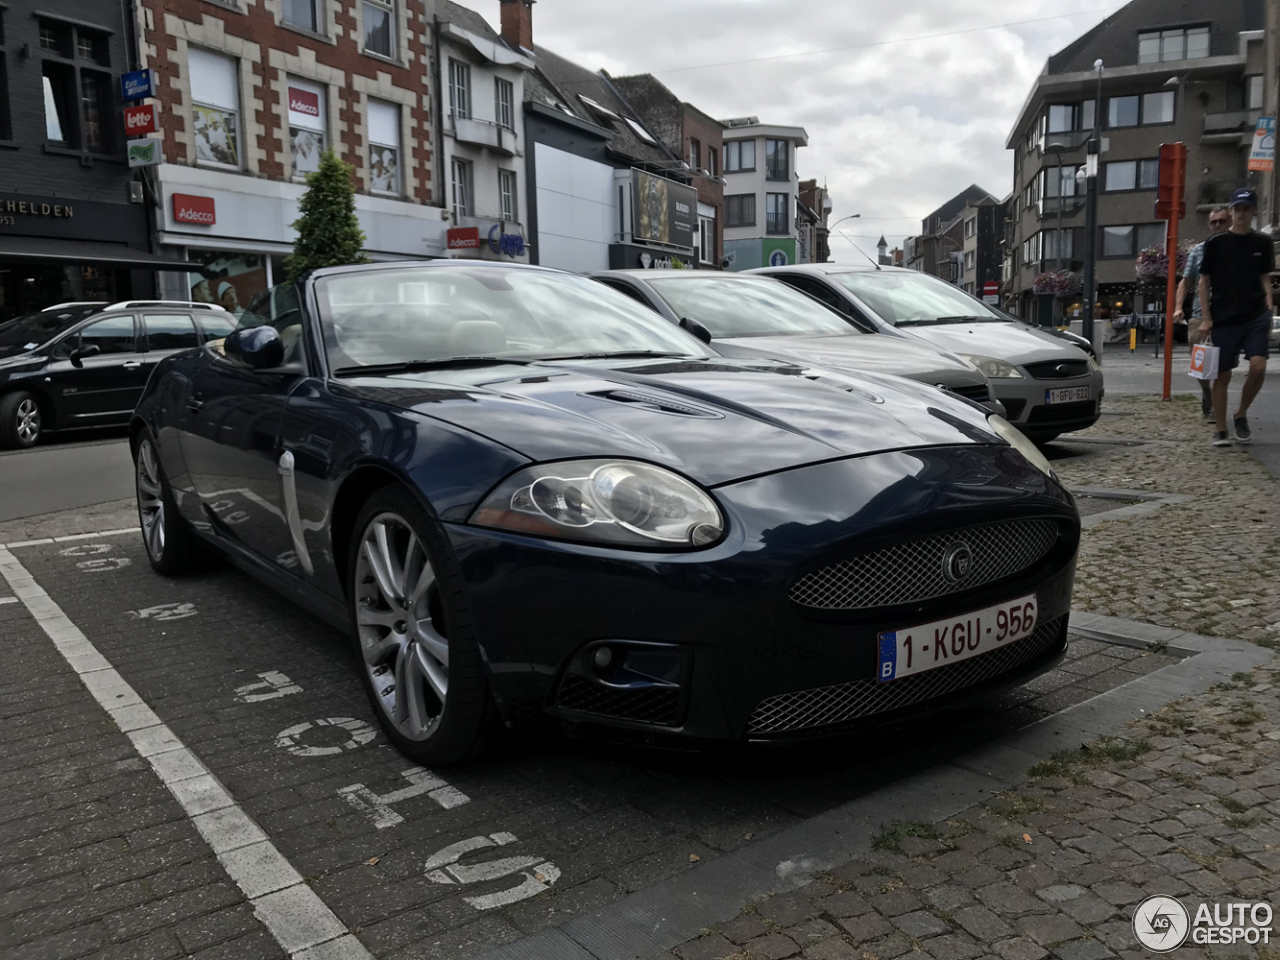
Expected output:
(1091, 217)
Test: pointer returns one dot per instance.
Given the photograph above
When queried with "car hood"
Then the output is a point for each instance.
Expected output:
(1013, 342)
(868, 353)
(714, 420)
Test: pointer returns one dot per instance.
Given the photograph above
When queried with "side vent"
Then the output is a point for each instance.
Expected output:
(656, 404)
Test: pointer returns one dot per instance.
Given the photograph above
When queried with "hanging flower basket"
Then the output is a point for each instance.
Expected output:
(1060, 283)
(1153, 262)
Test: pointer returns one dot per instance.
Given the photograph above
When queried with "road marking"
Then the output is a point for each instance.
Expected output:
(290, 910)
(75, 536)
(275, 683)
(165, 612)
(291, 739)
(103, 563)
(542, 875)
(85, 550)
(420, 780)
(8, 599)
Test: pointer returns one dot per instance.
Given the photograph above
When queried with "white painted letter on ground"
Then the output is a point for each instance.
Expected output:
(271, 685)
(539, 874)
(421, 781)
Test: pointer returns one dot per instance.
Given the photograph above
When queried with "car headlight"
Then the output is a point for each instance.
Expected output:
(994, 368)
(609, 502)
(1016, 439)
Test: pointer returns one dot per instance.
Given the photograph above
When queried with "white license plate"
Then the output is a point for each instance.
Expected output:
(928, 646)
(1066, 395)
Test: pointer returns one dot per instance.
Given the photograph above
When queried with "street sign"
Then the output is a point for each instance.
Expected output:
(1173, 182)
(189, 208)
(1262, 154)
(991, 292)
(145, 152)
(138, 85)
(141, 119)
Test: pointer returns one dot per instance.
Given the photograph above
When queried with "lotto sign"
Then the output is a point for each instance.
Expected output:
(192, 209)
(304, 101)
(141, 120)
(1262, 155)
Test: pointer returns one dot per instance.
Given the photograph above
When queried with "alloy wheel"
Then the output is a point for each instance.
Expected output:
(404, 652)
(150, 499)
(28, 421)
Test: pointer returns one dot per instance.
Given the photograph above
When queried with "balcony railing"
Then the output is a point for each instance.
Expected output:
(484, 133)
(1065, 141)
(1228, 126)
(1049, 206)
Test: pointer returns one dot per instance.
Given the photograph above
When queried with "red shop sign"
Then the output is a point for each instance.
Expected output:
(190, 209)
(141, 120)
(303, 101)
(463, 238)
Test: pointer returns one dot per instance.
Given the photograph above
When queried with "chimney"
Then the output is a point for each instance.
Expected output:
(517, 23)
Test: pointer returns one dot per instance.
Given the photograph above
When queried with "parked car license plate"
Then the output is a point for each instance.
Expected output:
(1066, 395)
(928, 646)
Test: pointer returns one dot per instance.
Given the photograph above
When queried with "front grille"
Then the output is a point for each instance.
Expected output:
(824, 706)
(977, 392)
(1062, 412)
(913, 571)
(1057, 369)
(657, 705)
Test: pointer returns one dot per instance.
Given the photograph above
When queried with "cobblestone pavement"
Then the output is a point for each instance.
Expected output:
(1184, 804)
(1210, 565)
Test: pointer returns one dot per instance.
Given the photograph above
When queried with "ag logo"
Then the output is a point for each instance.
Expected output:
(957, 562)
(1161, 924)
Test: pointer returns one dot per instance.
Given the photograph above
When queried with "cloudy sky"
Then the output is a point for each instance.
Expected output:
(906, 102)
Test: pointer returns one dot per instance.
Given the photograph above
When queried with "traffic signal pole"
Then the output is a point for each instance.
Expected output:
(1171, 206)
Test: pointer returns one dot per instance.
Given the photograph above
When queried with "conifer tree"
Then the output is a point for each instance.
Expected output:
(328, 232)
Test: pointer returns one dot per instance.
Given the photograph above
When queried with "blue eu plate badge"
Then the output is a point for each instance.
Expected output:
(888, 656)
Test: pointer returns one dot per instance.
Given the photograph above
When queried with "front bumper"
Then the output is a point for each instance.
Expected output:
(1025, 401)
(726, 613)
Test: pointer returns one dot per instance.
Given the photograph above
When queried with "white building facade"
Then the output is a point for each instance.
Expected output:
(761, 193)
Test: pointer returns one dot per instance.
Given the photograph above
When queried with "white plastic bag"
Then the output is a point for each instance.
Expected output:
(1204, 361)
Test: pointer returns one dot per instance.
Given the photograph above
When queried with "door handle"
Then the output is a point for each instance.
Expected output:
(132, 365)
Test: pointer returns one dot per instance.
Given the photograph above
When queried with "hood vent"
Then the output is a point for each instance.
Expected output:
(656, 404)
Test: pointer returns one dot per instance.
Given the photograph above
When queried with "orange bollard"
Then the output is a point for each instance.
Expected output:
(1133, 339)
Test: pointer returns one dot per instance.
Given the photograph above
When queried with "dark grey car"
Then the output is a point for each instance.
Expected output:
(758, 317)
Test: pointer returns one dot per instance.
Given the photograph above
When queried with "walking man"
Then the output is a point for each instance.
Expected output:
(1235, 303)
(1189, 285)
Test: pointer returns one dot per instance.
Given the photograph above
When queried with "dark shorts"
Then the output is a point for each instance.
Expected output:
(1250, 337)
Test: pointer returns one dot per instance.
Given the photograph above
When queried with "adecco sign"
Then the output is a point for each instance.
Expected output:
(190, 209)
(463, 238)
(304, 101)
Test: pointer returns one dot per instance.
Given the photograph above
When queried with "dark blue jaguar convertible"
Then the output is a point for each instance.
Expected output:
(523, 493)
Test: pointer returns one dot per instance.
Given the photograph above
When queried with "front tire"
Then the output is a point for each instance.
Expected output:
(416, 644)
(20, 421)
(172, 546)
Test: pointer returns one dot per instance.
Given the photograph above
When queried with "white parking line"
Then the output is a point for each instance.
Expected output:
(69, 538)
(290, 910)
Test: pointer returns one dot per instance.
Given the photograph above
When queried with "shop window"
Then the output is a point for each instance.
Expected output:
(504, 100)
(303, 14)
(307, 115)
(740, 210)
(507, 195)
(377, 27)
(384, 147)
(777, 160)
(171, 331)
(58, 103)
(215, 107)
(740, 156)
(462, 192)
(776, 213)
(459, 88)
(231, 280)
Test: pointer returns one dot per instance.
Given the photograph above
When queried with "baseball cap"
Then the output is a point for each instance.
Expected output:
(1244, 198)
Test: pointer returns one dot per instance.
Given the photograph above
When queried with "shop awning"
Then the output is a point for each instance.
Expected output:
(50, 252)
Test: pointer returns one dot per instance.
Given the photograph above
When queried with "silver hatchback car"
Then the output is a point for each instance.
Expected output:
(1047, 385)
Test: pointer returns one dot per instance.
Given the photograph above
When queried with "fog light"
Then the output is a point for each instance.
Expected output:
(602, 657)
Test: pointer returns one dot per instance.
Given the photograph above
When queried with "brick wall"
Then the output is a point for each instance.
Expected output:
(710, 191)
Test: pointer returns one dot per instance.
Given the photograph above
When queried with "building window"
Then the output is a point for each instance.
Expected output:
(970, 228)
(307, 126)
(6, 124)
(55, 38)
(1149, 235)
(461, 189)
(302, 14)
(707, 239)
(695, 154)
(712, 163)
(739, 156)
(1067, 117)
(1052, 238)
(384, 147)
(1060, 182)
(1122, 112)
(215, 107)
(459, 88)
(776, 219)
(57, 82)
(92, 98)
(1117, 241)
(504, 99)
(1164, 45)
(377, 27)
(507, 195)
(1157, 107)
(1253, 92)
(740, 210)
(970, 259)
(1121, 175)
(777, 160)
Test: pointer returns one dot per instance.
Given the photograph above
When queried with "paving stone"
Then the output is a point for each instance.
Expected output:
(713, 947)
(1049, 928)
(1009, 900)
(948, 896)
(895, 902)
(982, 923)
(811, 931)
(773, 946)
(953, 946)
(1118, 893)
(831, 950)
(920, 924)
(890, 947)
(1082, 950)
(869, 926)
(744, 928)
(1020, 948)
(787, 910)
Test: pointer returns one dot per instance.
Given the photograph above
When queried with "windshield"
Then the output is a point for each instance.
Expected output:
(749, 307)
(906, 297)
(424, 314)
(35, 329)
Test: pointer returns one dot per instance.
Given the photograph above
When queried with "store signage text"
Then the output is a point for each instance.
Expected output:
(463, 238)
(141, 119)
(138, 85)
(303, 101)
(512, 244)
(33, 209)
(192, 209)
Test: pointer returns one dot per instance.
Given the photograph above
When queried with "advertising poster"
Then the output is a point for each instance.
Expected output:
(231, 280)
(215, 135)
(663, 211)
(1262, 155)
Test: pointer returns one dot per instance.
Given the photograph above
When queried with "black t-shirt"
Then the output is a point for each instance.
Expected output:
(1235, 264)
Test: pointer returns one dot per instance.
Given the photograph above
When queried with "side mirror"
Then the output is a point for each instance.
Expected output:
(696, 328)
(258, 348)
(79, 353)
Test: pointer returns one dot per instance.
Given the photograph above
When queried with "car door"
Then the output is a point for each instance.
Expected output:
(229, 432)
(165, 333)
(104, 386)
